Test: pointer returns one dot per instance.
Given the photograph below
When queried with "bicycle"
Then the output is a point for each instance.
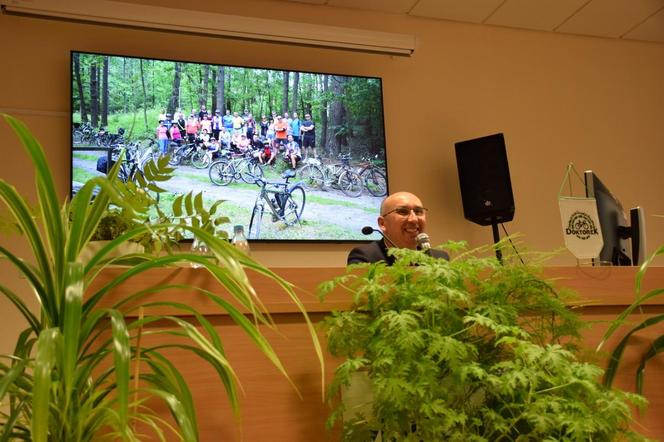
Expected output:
(340, 175)
(284, 200)
(83, 134)
(134, 163)
(242, 166)
(183, 152)
(373, 177)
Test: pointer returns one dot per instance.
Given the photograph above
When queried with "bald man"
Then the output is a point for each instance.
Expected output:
(402, 218)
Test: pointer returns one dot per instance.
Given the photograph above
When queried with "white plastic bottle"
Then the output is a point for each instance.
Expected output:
(240, 240)
(200, 248)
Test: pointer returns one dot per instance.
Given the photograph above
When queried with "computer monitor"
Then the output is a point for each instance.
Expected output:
(624, 243)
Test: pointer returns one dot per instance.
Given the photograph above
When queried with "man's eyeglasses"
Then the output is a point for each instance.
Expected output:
(405, 211)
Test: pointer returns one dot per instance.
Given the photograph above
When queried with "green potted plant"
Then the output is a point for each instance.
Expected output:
(465, 350)
(69, 376)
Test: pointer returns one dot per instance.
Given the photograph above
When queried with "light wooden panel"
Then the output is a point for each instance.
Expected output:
(271, 408)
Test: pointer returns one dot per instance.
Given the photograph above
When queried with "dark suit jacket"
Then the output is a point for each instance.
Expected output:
(377, 251)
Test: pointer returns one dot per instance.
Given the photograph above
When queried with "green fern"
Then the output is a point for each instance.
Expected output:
(467, 350)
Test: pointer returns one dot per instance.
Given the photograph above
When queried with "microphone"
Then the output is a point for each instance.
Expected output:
(368, 230)
(423, 243)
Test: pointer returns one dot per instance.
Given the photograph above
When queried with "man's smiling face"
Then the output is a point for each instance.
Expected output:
(399, 221)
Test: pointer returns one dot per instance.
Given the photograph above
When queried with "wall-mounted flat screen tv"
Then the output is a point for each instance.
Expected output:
(295, 156)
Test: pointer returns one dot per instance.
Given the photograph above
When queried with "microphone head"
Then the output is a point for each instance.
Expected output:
(368, 230)
(423, 242)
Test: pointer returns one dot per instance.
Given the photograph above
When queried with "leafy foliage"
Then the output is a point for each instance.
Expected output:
(83, 371)
(165, 228)
(466, 350)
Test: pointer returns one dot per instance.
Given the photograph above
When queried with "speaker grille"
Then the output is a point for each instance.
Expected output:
(484, 180)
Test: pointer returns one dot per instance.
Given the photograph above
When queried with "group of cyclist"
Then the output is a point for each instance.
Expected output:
(266, 138)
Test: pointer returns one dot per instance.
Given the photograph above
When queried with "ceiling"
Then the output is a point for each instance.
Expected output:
(625, 19)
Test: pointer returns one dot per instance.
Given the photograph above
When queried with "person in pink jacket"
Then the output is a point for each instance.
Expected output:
(162, 137)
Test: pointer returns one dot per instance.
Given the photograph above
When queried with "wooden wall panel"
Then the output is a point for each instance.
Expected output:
(272, 410)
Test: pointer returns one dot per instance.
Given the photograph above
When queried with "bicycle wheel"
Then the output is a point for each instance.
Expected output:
(257, 171)
(312, 176)
(221, 173)
(255, 222)
(200, 159)
(350, 183)
(294, 206)
(375, 183)
(248, 171)
(176, 157)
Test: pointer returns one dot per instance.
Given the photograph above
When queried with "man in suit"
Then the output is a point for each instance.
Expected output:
(402, 218)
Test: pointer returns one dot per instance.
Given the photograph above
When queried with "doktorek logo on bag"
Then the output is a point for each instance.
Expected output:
(581, 225)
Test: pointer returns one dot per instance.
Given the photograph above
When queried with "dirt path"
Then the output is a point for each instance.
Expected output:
(325, 207)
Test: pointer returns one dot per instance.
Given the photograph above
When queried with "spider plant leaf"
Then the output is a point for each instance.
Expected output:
(656, 348)
(644, 267)
(10, 375)
(20, 305)
(121, 360)
(628, 311)
(49, 341)
(178, 411)
(21, 212)
(169, 378)
(8, 431)
(72, 325)
(48, 198)
(616, 354)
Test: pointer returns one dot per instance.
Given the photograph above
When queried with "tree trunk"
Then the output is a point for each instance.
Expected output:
(104, 93)
(213, 92)
(94, 95)
(245, 90)
(125, 104)
(221, 96)
(145, 94)
(175, 92)
(323, 113)
(284, 102)
(153, 85)
(338, 115)
(296, 85)
(227, 86)
(202, 99)
(307, 97)
(79, 85)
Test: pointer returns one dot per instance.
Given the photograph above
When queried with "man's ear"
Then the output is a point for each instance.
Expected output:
(381, 223)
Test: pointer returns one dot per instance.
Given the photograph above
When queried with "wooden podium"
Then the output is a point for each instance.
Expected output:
(271, 409)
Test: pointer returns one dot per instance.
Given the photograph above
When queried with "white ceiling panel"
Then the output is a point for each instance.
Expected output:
(628, 19)
(473, 11)
(650, 30)
(311, 2)
(392, 6)
(610, 18)
(542, 15)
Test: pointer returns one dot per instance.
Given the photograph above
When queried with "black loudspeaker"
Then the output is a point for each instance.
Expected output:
(484, 178)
